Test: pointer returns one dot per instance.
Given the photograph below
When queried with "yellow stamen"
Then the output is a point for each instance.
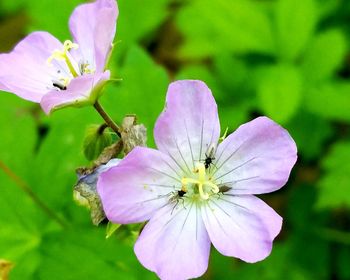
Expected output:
(186, 181)
(201, 182)
(203, 195)
(63, 55)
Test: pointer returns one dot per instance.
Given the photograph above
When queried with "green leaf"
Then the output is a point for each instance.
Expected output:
(342, 263)
(328, 8)
(20, 218)
(279, 265)
(330, 100)
(18, 143)
(60, 153)
(142, 91)
(233, 73)
(334, 186)
(310, 132)
(211, 27)
(85, 254)
(11, 6)
(324, 55)
(135, 23)
(279, 91)
(295, 22)
(43, 18)
(17, 146)
(232, 116)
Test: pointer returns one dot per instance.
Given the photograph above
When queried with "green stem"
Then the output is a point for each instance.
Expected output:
(25, 188)
(107, 118)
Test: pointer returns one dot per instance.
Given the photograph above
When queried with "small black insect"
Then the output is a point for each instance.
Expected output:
(177, 197)
(59, 86)
(209, 155)
(181, 193)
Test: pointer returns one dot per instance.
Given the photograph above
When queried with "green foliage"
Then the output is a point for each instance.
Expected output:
(342, 261)
(11, 6)
(139, 18)
(51, 16)
(324, 55)
(83, 255)
(279, 92)
(335, 184)
(141, 92)
(330, 100)
(212, 27)
(295, 23)
(311, 133)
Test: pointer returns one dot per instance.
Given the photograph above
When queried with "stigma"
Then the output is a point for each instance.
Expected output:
(200, 184)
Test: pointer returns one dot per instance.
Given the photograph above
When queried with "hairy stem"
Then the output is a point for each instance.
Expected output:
(107, 118)
(25, 188)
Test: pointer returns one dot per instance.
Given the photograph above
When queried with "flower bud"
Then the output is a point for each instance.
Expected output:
(96, 139)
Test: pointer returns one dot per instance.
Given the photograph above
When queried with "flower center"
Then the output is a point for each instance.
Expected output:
(74, 69)
(63, 55)
(201, 185)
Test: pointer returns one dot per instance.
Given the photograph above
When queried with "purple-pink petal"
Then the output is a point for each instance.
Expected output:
(141, 184)
(242, 226)
(257, 158)
(174, 243)
(188, 124)
(93, 27)
(78, 91)
(25, 70)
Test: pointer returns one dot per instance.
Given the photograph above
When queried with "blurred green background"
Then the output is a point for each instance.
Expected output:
(286, 59)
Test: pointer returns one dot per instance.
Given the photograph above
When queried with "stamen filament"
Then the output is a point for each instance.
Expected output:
(203, 195)
(186, 181)
(63, 55)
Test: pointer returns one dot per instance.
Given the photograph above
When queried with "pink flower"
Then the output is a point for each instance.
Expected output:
(194, 194)
(43, 70)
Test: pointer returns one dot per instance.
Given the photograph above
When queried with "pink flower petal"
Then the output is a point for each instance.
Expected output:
(25, 70)
(257, 158)
(174, 243)
(142, 183)
(93, 27)
(189, 123)
(241, 226)
(78, 92)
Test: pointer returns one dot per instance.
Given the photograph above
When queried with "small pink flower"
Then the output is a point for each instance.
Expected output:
(194, 194)
(43, 70)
